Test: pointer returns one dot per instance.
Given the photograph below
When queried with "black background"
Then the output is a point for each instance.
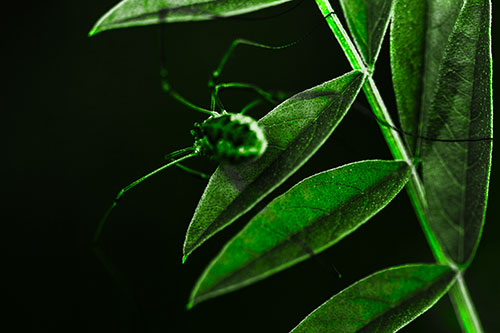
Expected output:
(86, 116)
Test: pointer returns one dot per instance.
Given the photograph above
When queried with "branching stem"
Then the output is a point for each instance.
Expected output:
(464, 307)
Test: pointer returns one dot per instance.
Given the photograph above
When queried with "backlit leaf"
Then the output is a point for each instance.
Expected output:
(130, 13)
(295, 130)
(382, 302)
(367, 21)
(456, 175)
(419, 35)
(312, 216)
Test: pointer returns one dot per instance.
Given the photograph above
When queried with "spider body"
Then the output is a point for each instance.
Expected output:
(229, 138)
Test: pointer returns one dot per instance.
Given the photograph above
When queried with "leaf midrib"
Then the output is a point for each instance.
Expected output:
(283, 242)
(219, 226)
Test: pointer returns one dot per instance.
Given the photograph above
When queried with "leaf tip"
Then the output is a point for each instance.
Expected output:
(184, 257)
(94, 31)
(190, 305)
(187, 250)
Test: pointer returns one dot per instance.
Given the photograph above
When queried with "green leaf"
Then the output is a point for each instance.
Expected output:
(131, 13)
(419, 35)
(312, 216)
(295, 130)
(456, 175)
(383, 302)
(408, 31)
(367, 20)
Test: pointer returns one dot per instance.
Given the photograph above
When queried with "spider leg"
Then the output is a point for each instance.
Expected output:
(186, 152)
(212, 83)
(189, 170)
(251, 105)
(164, 79)
(268, 96)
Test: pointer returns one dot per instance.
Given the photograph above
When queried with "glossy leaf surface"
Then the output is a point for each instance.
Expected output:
(367, 21)
(295, 130)
(419, 35)
(456, 174)
(130, 13)
(382, 302)
(312, 216)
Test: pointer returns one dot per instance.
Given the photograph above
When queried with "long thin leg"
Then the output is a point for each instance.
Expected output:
(171, 157)
(212, 83)
(270, 97)
(182, 100)
(251, 105)
(137, 182)
(187, 169)
(240, 41)
(193, 172)
(217, 72)
(164, 80)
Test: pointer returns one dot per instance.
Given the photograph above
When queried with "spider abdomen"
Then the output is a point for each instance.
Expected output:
(230, 137)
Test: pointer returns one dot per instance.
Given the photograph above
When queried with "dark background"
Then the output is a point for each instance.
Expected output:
(86, 116)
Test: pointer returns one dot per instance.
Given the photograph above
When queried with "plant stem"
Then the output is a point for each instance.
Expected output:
(463, 304)
(464, 307)
(396, 145)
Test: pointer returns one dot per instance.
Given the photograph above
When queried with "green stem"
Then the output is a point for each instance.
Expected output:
(464, 307)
